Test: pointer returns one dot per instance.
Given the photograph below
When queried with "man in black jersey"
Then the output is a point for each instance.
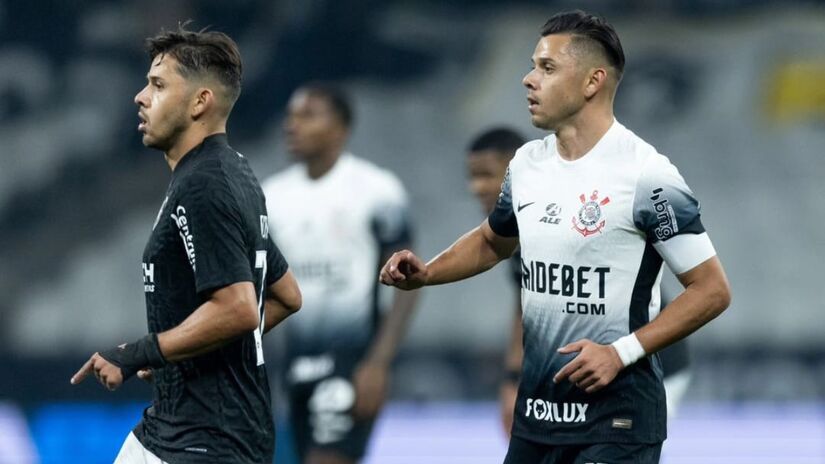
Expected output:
(487, 158)
(214, 280)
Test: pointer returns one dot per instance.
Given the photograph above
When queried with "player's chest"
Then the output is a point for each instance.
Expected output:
(573, 211)
(321, 216)
(171, 238)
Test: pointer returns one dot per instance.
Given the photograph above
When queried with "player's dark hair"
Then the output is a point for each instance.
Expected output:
(502, 140)
(584, 26)
(337, 98)
(200, 54)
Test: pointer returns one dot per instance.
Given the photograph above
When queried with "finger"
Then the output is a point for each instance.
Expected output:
(83, 372)
(145, 374)
(565, 371)
(596, 386)
(587, 382)
(393, 270)
(573, 347)
(414, 262)
(580, 375)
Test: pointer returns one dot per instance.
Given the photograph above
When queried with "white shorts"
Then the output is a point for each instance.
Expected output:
(133, 452)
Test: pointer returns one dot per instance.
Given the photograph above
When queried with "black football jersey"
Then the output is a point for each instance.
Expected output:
(211, 231)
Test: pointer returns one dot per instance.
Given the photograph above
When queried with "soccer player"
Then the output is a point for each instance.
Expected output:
(214, 280)
(346, 217)
(488, 156)
(591, 387)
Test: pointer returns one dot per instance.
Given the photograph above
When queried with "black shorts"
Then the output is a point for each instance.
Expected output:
(321, 415)
(523, 451)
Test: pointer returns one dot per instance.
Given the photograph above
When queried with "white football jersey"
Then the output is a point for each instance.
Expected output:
(332, 231)
(593, 234)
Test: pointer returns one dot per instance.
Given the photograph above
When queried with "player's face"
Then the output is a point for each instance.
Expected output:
(486, 170)
(312, 128)
(555, 83)
(163, 105)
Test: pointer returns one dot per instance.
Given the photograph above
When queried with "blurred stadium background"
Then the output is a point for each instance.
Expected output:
(732, 90)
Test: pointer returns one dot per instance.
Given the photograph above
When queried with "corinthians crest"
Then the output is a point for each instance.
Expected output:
(589, 220)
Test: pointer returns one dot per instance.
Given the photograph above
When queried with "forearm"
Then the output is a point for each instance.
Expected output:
(218, 321)
(274, 313)
(283, 298)
(515, 349)
(393, 328)
(475, 252)
(706, 295)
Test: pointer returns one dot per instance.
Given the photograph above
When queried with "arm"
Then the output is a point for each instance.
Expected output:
(371, 377)
(707, 294)
(229, 312)
(475, 252)
(512, 366)
(283, 298)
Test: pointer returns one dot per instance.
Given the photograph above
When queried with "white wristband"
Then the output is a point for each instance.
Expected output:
(629, 349)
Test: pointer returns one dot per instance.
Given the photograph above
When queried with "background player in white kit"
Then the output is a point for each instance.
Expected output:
(339, 217)
(591, 388)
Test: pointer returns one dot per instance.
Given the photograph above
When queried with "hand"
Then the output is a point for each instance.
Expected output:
(593, 368)
(404, 270)
(147, 375)
(507, 401)
(107, 373)
(371, 381)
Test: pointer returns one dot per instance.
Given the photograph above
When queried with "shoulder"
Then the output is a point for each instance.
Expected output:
(374, 178)
(205, 177)
(533, 150)
(640, 152)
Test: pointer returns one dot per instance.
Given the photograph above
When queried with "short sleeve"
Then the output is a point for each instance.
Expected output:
(503, 218)
(276, 263)
(391, 222)
(211, 227)
(666, 210)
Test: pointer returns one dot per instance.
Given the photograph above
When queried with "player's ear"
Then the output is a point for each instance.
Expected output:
(203, 99)
(596, 78)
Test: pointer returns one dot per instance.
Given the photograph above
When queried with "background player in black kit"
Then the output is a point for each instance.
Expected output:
(214, 280)
(488, 155)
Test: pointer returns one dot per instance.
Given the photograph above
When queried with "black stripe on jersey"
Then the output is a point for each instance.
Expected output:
(695, 226)
(640, 298)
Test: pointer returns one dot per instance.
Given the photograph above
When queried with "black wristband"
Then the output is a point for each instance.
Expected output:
(512, 376)
(132, 357)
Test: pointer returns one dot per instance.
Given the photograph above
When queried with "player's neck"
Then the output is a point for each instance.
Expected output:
(190, 139)
(319, 166)
(576, 138)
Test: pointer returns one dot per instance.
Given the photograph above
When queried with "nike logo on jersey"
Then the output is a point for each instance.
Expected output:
(521, 207)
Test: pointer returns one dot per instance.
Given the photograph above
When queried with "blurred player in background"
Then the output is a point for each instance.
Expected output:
(213, 279)
(591, 387)
(344, 218)
(488, 156)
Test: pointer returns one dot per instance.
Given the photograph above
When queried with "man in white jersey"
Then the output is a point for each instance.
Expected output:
(338, 219)
(591, 388)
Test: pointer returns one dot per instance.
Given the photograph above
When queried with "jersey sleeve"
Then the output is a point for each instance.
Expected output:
(211, 225)
(666, 210)
(503, 218)
(276, 263)
(391, 222)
